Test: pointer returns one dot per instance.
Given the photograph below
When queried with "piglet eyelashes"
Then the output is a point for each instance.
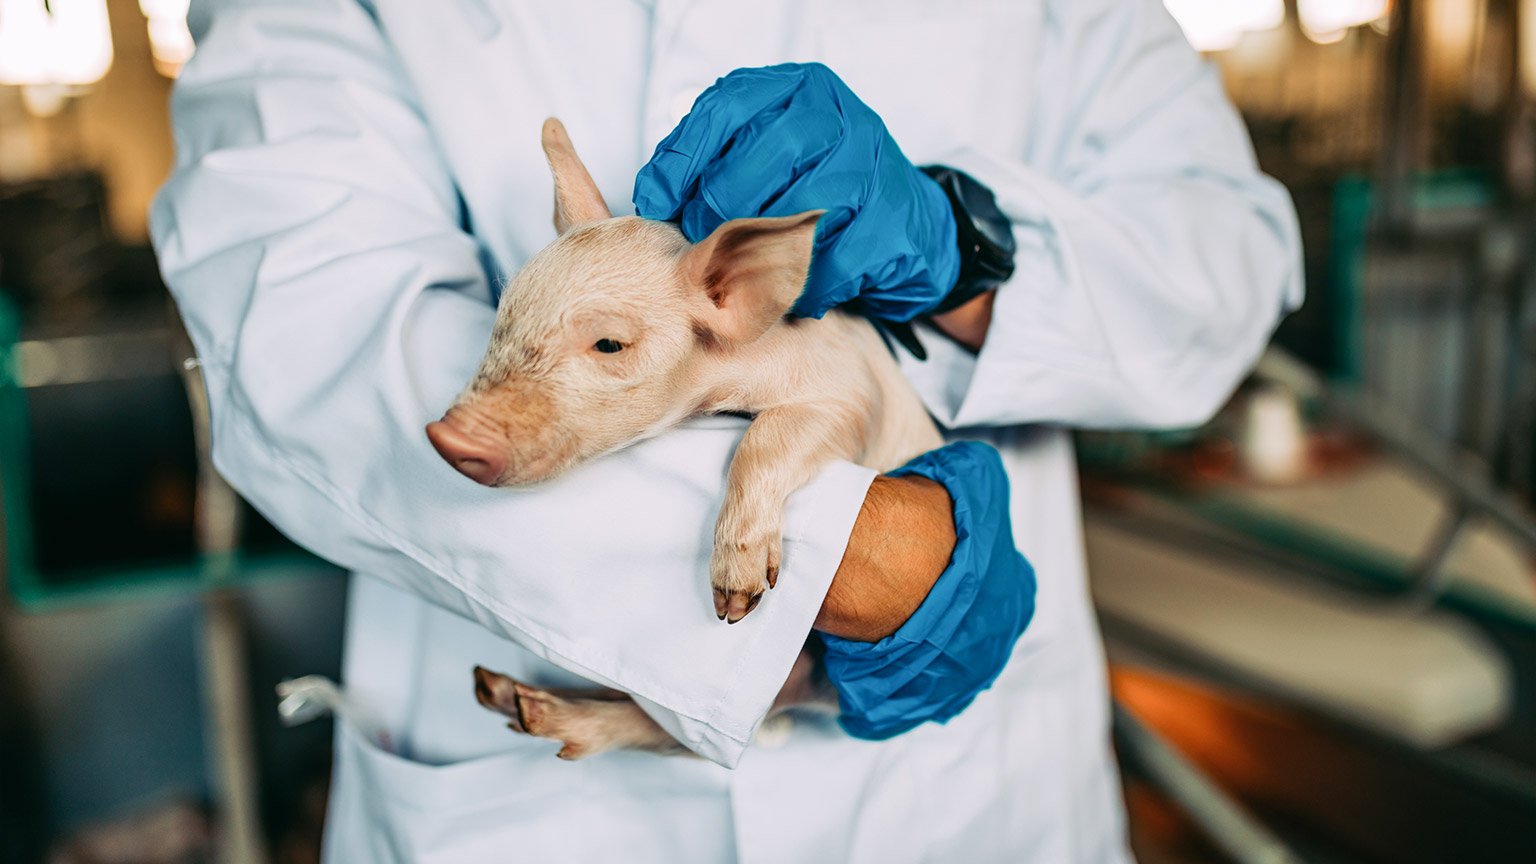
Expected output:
(609, 346)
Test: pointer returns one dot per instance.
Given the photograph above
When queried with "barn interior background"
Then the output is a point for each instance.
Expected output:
(1320, 607)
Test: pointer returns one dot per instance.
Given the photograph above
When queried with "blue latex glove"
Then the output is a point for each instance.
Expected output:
(785, 139)
(957, 642)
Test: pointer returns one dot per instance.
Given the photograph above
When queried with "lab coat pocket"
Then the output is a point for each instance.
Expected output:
(386, 808)
(523, 803)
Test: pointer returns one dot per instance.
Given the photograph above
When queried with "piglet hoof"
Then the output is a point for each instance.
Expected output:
(738, 604)
(740, 572)
(498, 693)
(732, 606)
(574, 724)
(577, 723)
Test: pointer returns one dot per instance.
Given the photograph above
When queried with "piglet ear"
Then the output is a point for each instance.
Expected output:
(576, 197)
(751, 271)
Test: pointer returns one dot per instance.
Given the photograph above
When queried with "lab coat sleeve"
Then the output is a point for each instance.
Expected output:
(1154, 258)
(311, 235)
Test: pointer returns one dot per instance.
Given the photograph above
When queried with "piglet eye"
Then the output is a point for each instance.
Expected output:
(609, 346)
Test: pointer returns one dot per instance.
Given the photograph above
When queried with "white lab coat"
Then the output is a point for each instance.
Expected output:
(353, 178)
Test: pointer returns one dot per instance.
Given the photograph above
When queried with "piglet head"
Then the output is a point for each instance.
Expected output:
(605, 335)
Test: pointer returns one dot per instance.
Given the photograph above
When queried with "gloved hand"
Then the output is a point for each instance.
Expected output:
(957, 642)
(781, 140)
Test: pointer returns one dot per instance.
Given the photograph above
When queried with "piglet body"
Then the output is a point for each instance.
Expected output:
(619, 329)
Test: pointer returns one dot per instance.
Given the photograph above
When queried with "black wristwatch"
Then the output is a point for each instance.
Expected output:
(983, 233)
(985, 238)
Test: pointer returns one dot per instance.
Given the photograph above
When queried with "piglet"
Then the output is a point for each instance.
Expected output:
(621, 328)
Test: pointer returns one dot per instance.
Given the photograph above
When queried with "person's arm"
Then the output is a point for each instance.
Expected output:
(1154, 258)
(901, 544)
(311, 235)
(968, 323)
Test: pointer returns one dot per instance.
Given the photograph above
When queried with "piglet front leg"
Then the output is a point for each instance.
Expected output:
(782, 450)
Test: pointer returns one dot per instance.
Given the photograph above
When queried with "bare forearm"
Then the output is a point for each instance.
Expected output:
(968, 324)
(900, 545)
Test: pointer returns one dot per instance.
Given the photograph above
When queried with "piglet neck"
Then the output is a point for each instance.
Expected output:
(736, 377)
(747, 377)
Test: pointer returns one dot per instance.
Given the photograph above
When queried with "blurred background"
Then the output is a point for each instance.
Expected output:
(1320, 608)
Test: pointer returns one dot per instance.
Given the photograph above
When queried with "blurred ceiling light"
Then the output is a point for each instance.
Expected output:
(62, 42)
(1216, 25)
(45, 100)
(170, 42)
(1527, 41)
(1453, 27)
(1326, 21)
(1262, 14)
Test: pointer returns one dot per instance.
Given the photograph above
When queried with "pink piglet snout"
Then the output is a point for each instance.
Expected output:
(473, 456)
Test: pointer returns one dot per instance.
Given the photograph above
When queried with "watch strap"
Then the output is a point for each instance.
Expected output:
(982, 233)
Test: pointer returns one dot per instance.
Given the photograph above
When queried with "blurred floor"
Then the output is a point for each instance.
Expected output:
(1332, 795)
(115, 708)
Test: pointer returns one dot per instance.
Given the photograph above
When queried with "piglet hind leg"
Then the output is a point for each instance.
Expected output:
(585, 722)
(781, 451)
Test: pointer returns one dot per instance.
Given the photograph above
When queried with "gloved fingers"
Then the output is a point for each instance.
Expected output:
(838, 267)
(767, 154)
(851, 255)
(907, 261)
(697, 219)
(786, 139)
(775, 148)
(665, 183)
(865, 258)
